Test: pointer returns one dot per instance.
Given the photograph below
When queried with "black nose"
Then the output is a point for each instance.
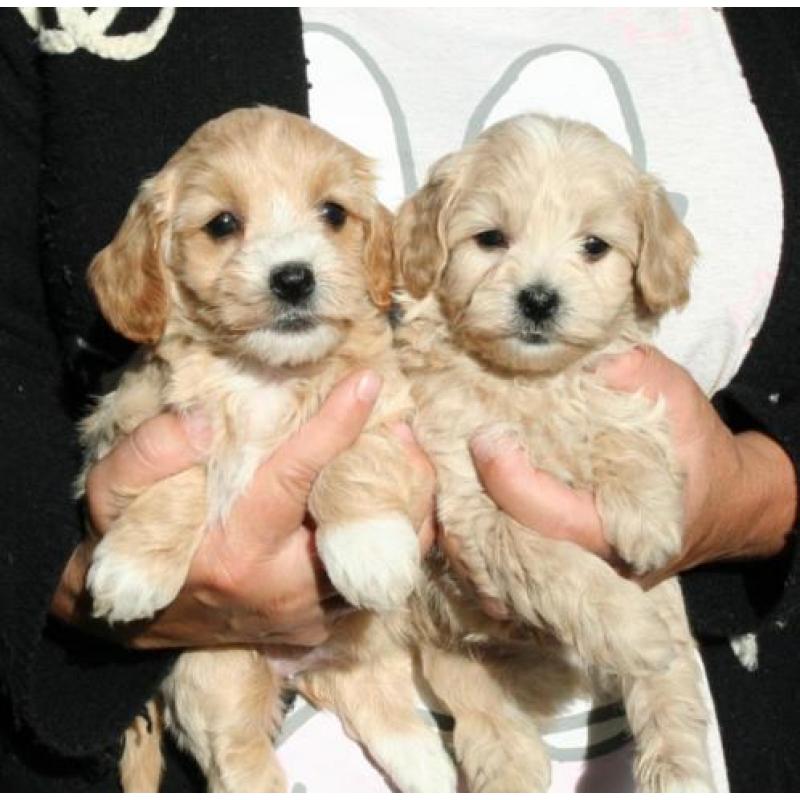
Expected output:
(538, 303)
(292, 282)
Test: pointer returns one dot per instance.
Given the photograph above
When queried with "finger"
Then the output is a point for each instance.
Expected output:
(337, 607)
(424, 481)
(643, 368)
(162, 446)
(492, 606)
(310, 636)
(417, 458)
(427, 533)
(647, 370)
(282, 484)
(535, 498)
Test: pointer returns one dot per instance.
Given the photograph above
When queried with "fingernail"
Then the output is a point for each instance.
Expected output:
(495, 608)
(402, 430)
(485, 447)
(368, 387)
(197, 425)
(634, 356)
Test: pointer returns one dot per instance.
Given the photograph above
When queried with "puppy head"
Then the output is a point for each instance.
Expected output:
(261, 236)
(543, 242)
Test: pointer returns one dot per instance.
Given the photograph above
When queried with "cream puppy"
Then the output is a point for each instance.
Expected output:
(528, 255)
(255, 267)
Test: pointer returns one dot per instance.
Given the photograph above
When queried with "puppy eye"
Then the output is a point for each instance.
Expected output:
(224, 224)
(595, 248)
(489, 240)
(334, 215)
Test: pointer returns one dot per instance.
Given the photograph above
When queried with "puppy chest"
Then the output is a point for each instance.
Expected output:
(249, 425)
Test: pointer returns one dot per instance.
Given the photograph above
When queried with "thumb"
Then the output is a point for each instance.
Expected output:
(642, 368)
(162, 446)
(647, 370)
(535, 498)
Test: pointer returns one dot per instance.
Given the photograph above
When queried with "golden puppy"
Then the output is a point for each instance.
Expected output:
(256, 267)
(528, 255)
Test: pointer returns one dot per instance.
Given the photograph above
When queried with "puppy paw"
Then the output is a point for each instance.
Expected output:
(646, 541)
(625, 633)
(125, 589)
(417, 763)
(373, 563)
(668, 777)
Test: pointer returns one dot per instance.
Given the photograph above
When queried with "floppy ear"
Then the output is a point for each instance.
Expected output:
(379, 257)
(666, 253)
(420, 230)
(128, 277)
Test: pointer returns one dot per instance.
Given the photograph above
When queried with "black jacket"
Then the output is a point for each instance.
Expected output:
(66, 182)
(65, 698)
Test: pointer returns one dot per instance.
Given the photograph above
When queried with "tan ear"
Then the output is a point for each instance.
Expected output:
(379, 257)
(128, 277)
(420, 230)
(667, 251)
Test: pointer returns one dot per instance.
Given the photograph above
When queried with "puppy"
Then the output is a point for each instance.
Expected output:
(527, 256)
(255, 267)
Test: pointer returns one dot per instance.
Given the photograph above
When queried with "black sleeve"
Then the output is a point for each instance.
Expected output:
(78, 132)
(765, 394)
(42, 669)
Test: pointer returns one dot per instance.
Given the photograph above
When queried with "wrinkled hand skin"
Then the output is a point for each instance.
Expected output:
(256, 578)
(740, 493)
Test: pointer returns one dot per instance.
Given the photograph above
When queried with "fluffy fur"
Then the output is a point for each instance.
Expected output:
(191, 275)
(527, 255)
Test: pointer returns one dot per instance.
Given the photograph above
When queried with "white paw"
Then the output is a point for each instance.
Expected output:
(687, 785)
(374, 563)
(122, 591)
(648, 550)
(681, 775)
(417, 763)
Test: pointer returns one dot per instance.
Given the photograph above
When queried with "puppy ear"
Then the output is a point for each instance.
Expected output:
(379, 257)
(128, 277)
(666, 253)
(419, 232)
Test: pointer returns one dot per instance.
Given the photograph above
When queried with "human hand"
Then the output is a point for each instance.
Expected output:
(256, 578)
(739, 492)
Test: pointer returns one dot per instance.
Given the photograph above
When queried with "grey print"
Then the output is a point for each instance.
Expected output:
(402, 140)
(477, 122)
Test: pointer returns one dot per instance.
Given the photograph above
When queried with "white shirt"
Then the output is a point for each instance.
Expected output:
(407, 86)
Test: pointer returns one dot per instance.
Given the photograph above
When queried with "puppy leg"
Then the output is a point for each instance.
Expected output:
(374, 700)
(361, 503)
(141, 563)
(141, 763)
(497, 745)
(639, 495)
(667, 714)
(224, 708)
(556, 585)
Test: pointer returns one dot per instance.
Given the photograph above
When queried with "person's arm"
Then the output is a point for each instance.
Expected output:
(45, 674)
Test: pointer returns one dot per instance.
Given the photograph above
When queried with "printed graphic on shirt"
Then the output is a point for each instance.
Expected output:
(91, 30)
(408, 86)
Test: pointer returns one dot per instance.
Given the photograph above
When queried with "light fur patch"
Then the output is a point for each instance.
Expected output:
(121, 590)
(417, 763)
(745, 648)
(374, 563)
(291, 349)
